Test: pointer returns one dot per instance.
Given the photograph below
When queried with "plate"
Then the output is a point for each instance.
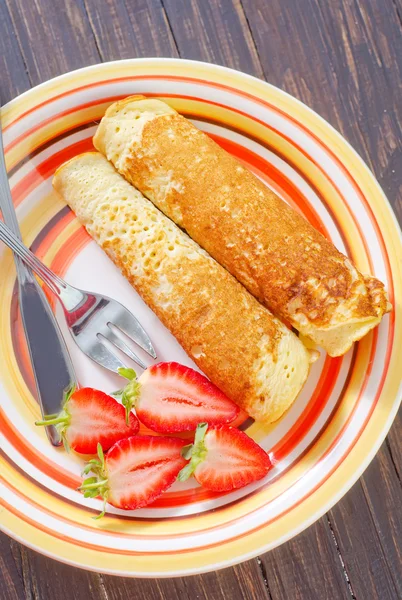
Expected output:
(328, 437)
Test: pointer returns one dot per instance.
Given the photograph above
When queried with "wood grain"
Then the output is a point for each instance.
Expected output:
(395, 446)
(14, 77)
(54, 37)
(214, 32)
(308, 566)
(40, 577)
(344, 59)
(11, 580)
(244, 581)
(127, 29)
(368, 527)
(27, 574)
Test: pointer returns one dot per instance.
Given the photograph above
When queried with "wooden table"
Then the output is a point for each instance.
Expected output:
(344, 59)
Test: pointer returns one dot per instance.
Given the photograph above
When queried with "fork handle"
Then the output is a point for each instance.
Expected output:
(51, 279)
(68, 296)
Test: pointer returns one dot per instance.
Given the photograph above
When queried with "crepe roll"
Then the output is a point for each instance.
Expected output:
(234, 340)
(271, 249)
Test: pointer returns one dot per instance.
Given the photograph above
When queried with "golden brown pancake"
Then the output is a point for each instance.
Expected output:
(271, 249)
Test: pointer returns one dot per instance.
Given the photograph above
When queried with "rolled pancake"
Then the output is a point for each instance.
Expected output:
(235, 341)
(271, 249)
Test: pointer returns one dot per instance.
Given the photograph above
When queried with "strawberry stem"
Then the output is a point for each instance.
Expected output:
(54, 421)
(97, 485)
(102, 514)
(129, 374)
(62, 420)
(68, 393)
(92, 486)
(129, 394)
(196, 452)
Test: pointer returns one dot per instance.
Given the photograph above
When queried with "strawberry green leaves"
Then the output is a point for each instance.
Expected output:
(62, 420)
(97, 485)
(129, 394)
(195, 453)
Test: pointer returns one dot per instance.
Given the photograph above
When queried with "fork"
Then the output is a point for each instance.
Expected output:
(94, 321)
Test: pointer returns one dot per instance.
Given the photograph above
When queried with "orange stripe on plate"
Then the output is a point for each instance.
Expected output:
(313, 410)
(31, 454)
(45, 169)
(63, 113)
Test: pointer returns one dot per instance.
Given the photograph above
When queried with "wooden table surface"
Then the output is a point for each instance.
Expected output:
(343, 58)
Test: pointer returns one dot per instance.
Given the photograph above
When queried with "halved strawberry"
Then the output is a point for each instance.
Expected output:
(135, 471)
(224, 458)
(169, 398)
(90, 416)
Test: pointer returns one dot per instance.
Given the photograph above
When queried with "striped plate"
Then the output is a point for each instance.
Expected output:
(325, 440)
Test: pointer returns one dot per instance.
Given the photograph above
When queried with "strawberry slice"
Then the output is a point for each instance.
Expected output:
(169, 398)
(135, 471)
(89, 416)
(223, 458)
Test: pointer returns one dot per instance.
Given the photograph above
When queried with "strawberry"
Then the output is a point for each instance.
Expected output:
(135, 471)
(89, 416)
(169, 398)
(223, 458)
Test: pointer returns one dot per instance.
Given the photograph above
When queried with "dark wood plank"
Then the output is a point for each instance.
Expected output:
(243, 582)
(383, 492)
(11, 580)
(295, 571)
(14, 78)
(36, 577)
(27, 574)
(127, 29)
(394, 444)
(368, 529)
(54, 36)
(344, 59)
(214, 32)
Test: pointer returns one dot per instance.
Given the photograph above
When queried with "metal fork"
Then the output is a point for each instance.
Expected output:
(92, 319)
